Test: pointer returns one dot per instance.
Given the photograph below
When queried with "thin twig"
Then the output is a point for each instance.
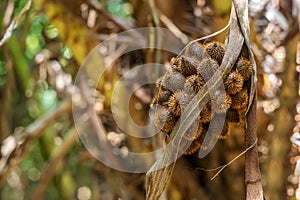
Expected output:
(207, 36)
(224, 166)
(172, 27)
(252, 173)
(209, 170)
(14, 23)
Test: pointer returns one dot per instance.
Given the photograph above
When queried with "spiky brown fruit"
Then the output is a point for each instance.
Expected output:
(225, 131)
(173, 81)
(221, 101)
(162, 98)
(219, 126)
(194, 131)
(154, 101)
(206, 114)
(244, 67)
(207, 68)
(233, 116)
(193, 84)
(164, 120)
(185, 65)
(188, 74)
(234, 82)
(194, 147)
(158, 83)
(242, 116)
(216, 51)
(240, 100)
(206, 139)
(196, 51)
(178, 102)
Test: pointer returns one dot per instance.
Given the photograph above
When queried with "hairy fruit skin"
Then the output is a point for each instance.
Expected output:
(233, 116)
(221, 102)
(193, 84)
(196, 51)
(244, 67)
(240, 100)
(188, 74)
(165, 120)
(234, 82)
(206, 114)
(216, 51)
(161, 97)
(195, 146)
(207, 69)
(194, 131)
(184, 65)
(173, 81)
(178, 102)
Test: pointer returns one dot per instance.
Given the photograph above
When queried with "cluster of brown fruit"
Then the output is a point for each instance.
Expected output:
(187, 75)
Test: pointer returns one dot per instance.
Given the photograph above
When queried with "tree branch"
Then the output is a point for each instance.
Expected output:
(254, 189)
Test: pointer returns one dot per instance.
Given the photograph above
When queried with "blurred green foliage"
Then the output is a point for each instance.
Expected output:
(19, 5)
(34, 40)
(32, 96)
(3, 72)
(119, 8)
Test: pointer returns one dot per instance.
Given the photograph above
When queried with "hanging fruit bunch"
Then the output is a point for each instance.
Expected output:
(187, 75)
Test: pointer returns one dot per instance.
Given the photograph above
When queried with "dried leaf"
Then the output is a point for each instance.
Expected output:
(241, 8)
(252, 173)
(157, 177)
(160, 173)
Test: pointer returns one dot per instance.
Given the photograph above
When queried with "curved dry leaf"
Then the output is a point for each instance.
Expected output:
(157, 177)
(160, 173)
(241, 8)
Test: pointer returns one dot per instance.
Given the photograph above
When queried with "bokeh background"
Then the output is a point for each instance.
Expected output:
(42, 46)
